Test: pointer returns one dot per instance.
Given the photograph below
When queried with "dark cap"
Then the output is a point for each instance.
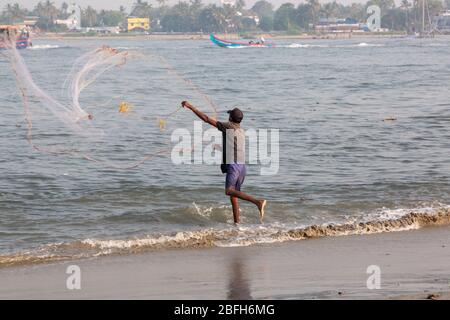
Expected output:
(236, 115)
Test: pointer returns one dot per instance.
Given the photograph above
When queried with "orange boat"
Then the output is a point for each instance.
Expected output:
(22, 36)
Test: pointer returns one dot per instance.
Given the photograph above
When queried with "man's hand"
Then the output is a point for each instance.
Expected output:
(187, 105)
(199, 114)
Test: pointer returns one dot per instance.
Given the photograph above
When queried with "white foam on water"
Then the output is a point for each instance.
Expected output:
(207, 211)
(307, 45)
(299, 45)
(384, 214)
(43, 47)
(365, 44)
(380, 221)
(147, 241)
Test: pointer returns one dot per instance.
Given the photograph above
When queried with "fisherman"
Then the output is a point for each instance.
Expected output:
(233, 137)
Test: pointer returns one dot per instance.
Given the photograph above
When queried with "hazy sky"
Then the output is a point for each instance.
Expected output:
(114, 4)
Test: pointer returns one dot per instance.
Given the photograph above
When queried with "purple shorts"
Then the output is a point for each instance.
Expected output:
(235, 176)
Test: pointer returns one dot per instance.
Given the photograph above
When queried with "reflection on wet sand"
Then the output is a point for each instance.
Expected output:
(238, 285)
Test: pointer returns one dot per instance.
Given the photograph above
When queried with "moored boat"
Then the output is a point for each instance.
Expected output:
(21, 36)
(236, 44)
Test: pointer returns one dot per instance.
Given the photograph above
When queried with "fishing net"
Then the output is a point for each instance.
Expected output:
(114, 110)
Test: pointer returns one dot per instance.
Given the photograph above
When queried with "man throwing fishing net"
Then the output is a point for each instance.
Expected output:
(233, 158)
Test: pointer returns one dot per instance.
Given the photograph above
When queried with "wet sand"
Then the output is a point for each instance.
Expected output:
(414, 265)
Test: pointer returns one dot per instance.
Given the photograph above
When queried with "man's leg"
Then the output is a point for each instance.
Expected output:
(234, 180)
(236, 213)
(242, 195)
(233, 193)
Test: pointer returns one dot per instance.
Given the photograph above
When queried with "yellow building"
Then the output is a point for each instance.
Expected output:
(138, 24)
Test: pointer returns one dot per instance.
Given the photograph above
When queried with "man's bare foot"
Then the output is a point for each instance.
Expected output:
(261, 206)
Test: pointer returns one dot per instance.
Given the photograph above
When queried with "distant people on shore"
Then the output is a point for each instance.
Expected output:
(261, 41)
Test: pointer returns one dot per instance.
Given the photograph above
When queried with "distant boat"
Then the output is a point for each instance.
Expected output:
(237, 44)
(22, 36)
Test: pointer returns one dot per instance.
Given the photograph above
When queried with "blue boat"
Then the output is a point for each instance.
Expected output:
(238, 44)
(22, 37)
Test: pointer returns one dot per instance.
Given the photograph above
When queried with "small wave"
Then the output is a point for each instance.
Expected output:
(358, 45)
(383, 221)
(299, 45)
(365, 44)
(43, 47)
(208, 211)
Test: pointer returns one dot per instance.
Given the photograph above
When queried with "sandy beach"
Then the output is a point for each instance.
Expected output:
(413, 264)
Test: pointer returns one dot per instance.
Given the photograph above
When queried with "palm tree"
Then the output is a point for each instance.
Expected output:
(47, 13)
(211, 19)
(416, 12)
(90, 17)
(196, 5)
(229, 16)
(405, 6)
(315, 8)
(51, 10)
(64, 8)
(14, 13)
(239, 5)
(331, 9)
(141, 9)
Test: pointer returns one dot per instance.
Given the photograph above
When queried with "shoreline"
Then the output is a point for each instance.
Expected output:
(160, 37)
(414, 265)
(220, 238)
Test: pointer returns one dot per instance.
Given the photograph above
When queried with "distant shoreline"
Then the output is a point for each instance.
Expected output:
(188, 36)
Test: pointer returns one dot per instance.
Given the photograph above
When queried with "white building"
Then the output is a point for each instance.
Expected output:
(73, 22)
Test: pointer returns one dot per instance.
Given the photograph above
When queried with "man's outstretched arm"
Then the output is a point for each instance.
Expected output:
(199, 114)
